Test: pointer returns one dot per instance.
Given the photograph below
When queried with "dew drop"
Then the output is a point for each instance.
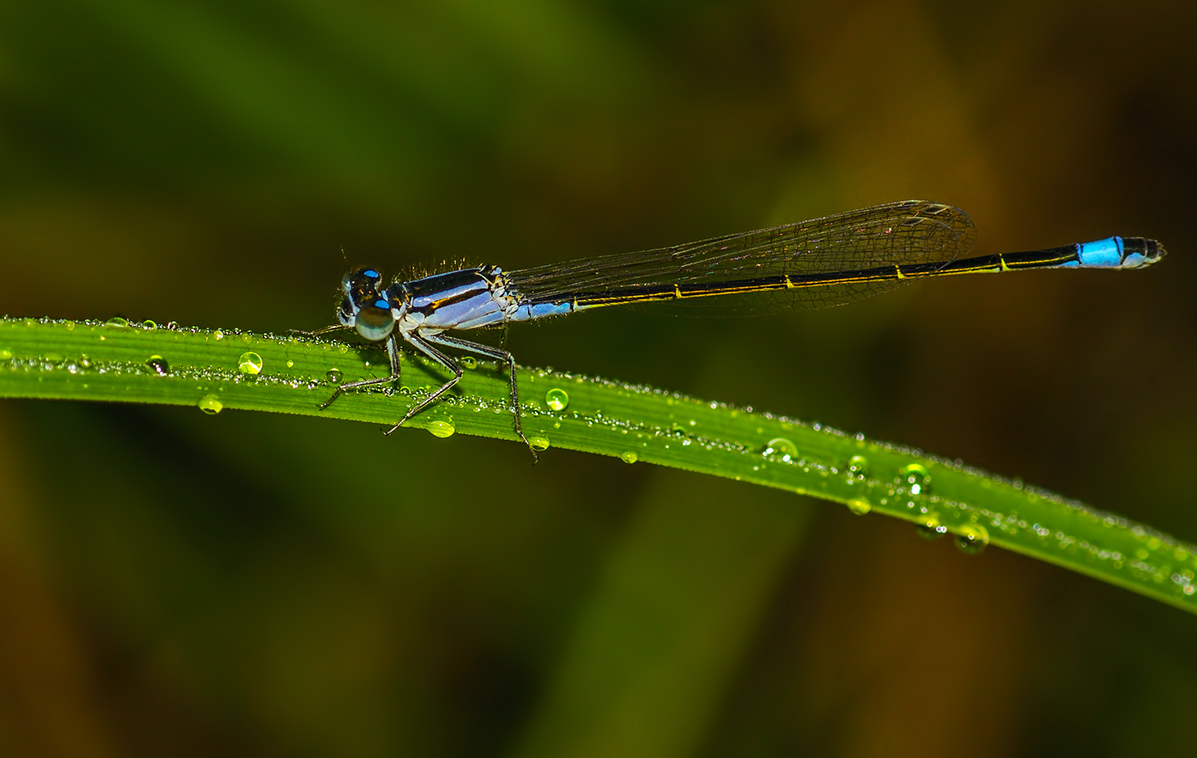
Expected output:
(629, 456)
(931, 533)
(916, 478)
(468, 361)
(210, 404)
(781, 449)
(117, 322)
(859, 506)
(250, 363)
(70, 326)
(857, 467)
(290, 364)
(441, 428)
(539, 444)
(218, 335)
(158, 364)
(556, 399)
(334, 376)
(931, 528)
(5, 354)
(149, 324)
(972, 538)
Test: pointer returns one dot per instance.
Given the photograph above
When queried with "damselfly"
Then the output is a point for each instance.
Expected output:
(810, 264)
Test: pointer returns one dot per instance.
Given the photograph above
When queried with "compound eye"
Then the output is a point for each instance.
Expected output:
(361, 279)
(374, 321)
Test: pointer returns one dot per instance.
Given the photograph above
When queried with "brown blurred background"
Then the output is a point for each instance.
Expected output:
(175, 584)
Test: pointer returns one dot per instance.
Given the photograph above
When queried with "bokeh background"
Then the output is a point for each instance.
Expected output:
(176, 584)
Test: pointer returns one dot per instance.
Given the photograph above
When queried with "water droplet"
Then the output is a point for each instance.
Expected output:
(290, 364)
(217, 335)
(781, 449)
(117, 322)
(931, 533)
(5, 354)
(210, 404)
(931, 527)
(53, 357)
(857, 467)
(539, 444)
(972, 538)
(859, 506)
(441, 428)
(557, 399)
(334, 376)
(70, 326)
(158, 364)
(916, 478)
(629, 456)
(468, 361)
(250, 363)
(149, 324)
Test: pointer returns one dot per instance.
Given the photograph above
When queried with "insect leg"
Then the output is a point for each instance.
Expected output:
(500, 354)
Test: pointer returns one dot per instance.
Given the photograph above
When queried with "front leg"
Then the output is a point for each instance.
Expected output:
(320, 331)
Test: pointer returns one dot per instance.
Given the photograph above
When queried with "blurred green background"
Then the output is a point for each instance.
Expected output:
(176, 584)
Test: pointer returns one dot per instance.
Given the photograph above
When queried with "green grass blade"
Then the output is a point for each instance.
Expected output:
(215, 370)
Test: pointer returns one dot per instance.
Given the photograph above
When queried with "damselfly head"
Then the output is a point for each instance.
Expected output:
(365, 307)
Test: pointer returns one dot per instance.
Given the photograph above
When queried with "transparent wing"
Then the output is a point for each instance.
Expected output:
(902, 233)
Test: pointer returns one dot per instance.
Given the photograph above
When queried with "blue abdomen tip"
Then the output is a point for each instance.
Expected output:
(1105, 253)
(1119, 252)
(1139, 251)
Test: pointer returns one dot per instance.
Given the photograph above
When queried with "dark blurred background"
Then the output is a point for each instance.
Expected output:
(176, 584)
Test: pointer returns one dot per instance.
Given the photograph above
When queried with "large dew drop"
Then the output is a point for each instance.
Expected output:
(250, 363)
